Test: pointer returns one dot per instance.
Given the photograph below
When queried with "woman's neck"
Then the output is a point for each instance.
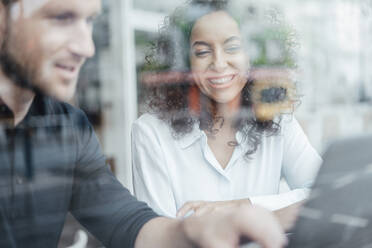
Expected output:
(16, 98)
(229, 111)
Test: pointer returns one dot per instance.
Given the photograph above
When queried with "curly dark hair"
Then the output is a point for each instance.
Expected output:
(171, 101)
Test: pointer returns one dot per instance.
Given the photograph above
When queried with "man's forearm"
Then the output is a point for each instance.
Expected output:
(163, 233)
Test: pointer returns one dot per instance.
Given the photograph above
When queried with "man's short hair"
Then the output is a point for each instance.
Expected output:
(6, 2)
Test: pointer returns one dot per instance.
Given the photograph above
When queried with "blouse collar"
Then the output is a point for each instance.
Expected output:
(196, 134)
(190, 138)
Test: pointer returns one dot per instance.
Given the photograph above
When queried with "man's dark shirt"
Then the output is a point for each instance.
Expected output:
(52, 163)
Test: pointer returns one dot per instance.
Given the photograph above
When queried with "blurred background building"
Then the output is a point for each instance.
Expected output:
(333, 62)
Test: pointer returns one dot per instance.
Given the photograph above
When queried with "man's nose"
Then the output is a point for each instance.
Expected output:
(82, 43)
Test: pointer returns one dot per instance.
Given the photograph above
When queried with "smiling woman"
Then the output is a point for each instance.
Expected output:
(218, 62)
(203, 146)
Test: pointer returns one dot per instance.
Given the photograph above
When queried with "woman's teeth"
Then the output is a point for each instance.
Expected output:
(221, 80)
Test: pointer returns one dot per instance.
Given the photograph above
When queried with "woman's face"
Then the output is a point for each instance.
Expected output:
(219, 63)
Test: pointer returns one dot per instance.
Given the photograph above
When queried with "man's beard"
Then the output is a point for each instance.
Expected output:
(14, 71)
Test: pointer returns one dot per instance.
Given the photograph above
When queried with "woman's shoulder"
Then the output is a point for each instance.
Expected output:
(290, 127)
(289, 123)
(148, 118)
(150, 122)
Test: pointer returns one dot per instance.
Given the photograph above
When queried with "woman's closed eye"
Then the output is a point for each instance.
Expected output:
(202, 53)
(233, 49)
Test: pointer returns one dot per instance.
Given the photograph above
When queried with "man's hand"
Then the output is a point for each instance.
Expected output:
(227, 227)
(224, 228)
(203, 207)
(287, 216)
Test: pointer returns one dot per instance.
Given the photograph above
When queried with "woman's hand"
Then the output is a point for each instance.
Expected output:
(287, 216)
(203, 207)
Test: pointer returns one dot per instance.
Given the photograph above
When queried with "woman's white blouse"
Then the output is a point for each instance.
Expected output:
(169, 172)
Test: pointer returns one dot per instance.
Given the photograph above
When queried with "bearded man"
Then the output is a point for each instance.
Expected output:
(51, 162)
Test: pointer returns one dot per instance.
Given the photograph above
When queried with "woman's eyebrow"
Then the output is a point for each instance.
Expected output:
(200, 43)
(232, 38)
